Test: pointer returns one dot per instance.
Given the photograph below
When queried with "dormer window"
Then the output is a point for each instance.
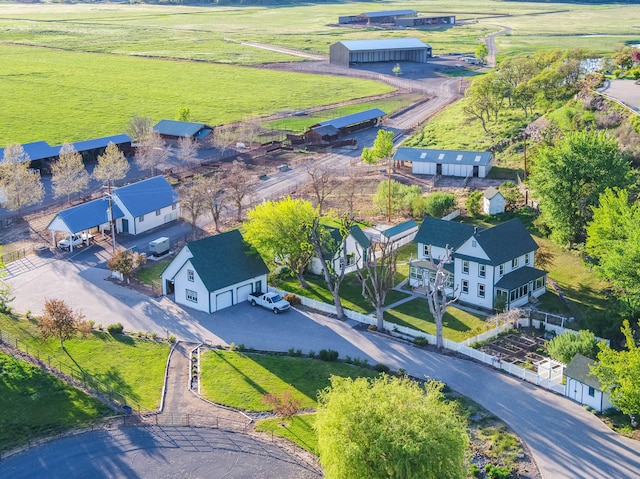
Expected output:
(514, 263)
(526, 258)
(501, 270)
(425, 251)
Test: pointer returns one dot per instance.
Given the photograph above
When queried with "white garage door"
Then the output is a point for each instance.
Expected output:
(242, 293)
(224, 300)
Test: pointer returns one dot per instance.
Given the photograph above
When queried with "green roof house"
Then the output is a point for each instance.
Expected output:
(490, 264)
(214, 273)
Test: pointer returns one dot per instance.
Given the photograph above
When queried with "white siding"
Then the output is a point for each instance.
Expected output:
(175, 265)
(474, 280)
(351, 247)
(579, 392)
(231, 292)
(151, 219)
(494, 205)
(182, 285)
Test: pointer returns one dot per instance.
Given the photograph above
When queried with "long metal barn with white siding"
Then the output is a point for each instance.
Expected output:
(425, 161)
(347, 52)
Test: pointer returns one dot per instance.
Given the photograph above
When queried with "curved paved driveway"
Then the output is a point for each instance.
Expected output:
(565, 440)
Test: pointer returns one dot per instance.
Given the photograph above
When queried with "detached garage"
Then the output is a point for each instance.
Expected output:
(466, 164)
(214, 273)
(347, 52)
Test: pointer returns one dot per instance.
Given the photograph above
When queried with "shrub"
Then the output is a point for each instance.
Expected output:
(328, 355)
(473, 203)
(296, 353)
(27, 314)
(91, 323)
(382, 368)
(372, 327)
(241, 347)
(401, 372)
(233, 347)
(117, 328)
(293, 299)
(440, 204)
(154, 336)
(311, 354)
(497, 472)
(420, 341)
(172, 339)
(99, 326)
(474, 470)
(565, 346)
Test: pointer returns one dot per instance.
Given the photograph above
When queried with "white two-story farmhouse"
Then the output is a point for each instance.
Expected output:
(489, 266)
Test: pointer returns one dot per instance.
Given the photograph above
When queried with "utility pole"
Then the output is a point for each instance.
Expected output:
(524, 136)
(389, 191)
(112, 224)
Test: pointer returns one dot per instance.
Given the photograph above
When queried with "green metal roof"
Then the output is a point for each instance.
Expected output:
(579, 369)
(519, 277)
(440, 233)
(225, 259)
(397, 229)
(505, 241)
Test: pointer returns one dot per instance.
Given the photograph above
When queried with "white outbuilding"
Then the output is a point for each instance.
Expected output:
(466, 164)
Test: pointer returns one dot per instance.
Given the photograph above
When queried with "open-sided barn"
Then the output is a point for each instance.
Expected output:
(347, 52)
(175, 129)
(425, 21)
(426, 161)
(330, 130)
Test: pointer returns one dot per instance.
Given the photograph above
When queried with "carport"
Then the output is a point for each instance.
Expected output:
(83, 218)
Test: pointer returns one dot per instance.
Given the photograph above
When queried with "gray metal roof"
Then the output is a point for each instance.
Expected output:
(519, 277)
(147, 195)
(385, 44)
(354, 118)
(490, 192)
(87, 215)
(397, 229)
(579, 369)
(88, 145)
(451, 157)
(182, 128)
(440, 233)
(389, 13)
(505, 241)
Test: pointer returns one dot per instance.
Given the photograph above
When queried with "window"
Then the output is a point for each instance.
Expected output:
(465, 286)
(482, 270)
(351, 259)
(481, 290)
(416, 273)
(192, 296)
(592, 391)
(539, 283)
(526, 258)
(173, 206)
(140, 219)
(501, 270)
(514, 262)
(465, 267)
(425, 251)
(157, 212)
(258, 286)
(474, 243)
(190, 275)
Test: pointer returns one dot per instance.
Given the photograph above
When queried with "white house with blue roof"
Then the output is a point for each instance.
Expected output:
(145, 205)
(489, 265)
(466, 164)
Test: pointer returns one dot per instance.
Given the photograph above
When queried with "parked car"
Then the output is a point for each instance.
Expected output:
(74, 240)
(271, 301)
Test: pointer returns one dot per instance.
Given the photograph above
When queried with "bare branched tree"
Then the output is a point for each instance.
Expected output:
(68, 173)
(139, 127)
(22, 186)
(330, 250)
(377, 275)
(437, 296)
(349, 190)
(322, 182)
(250, 129)
(238, 186)
(194, 200)
(217, 198)
(151, 152)
(224, 136)
(188, 152)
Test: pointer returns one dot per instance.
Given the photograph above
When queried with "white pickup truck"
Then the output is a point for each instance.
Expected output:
(73, 240)
(270, 301)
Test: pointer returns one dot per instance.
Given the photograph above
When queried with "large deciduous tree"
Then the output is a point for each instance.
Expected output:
(281, 232)
(126, 262)
(112, 165)
(194, 200)
(322, 183)
(569, 177)
(381, 151)
(619, 373)
(238, 187)
(22, 186)
(377, 273)
(566, 345)
(389, 427)
(59, 321)
(613, 241)
(188, 152)
(217, 198)
(139, 127)
(68, 173)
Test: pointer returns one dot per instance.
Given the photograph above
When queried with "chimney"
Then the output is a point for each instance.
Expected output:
(475, 230)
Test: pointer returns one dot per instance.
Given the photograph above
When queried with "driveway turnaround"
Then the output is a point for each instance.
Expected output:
(156, 452)
(565, 440)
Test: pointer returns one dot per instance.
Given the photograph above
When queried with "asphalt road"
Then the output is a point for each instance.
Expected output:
(565, 440)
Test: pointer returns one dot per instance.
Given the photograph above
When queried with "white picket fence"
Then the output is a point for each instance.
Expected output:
(461, 348)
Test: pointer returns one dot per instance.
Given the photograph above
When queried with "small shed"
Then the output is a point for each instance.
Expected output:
(462, 163)
(493, 201)
(347, 52)
(584, 388)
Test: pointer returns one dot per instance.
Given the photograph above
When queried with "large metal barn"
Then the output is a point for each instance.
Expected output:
(348, 52)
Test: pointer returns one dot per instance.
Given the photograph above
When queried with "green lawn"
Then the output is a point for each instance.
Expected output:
(299, 430)
(92, 95)
(239, 380)
(132, 367)
(151, 271)
(458, 324)
(350, 292)
(34, 403)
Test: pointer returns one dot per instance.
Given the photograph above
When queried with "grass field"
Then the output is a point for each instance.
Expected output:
(139, 377)
(458, 325)
(265, 374)
(59, 92)
(34, 403)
